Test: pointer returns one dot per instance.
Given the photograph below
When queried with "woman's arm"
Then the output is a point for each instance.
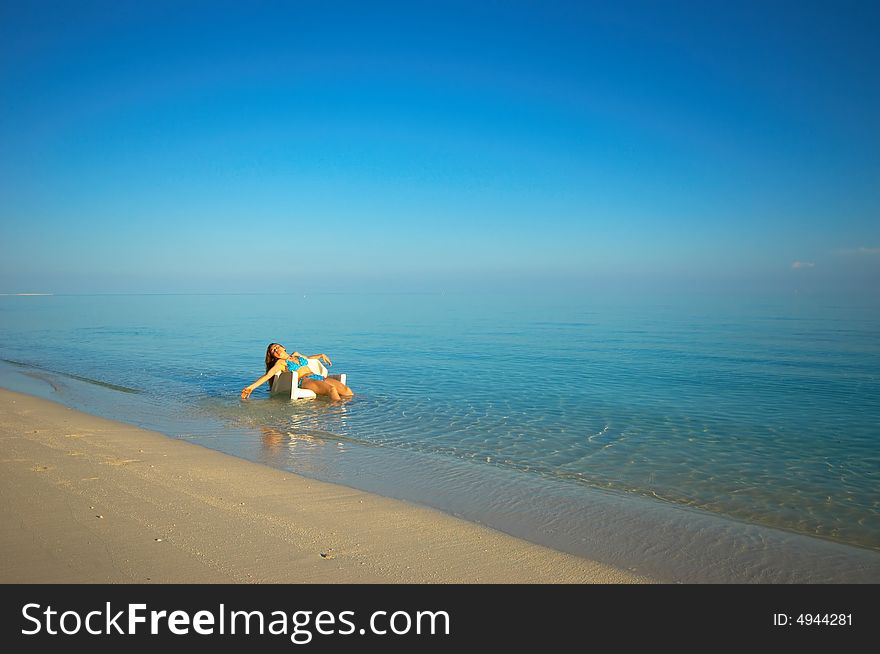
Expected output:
(279, 366)
(322, 357)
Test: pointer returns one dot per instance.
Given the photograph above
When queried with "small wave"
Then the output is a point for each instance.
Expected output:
(88, 380)
(599, 433)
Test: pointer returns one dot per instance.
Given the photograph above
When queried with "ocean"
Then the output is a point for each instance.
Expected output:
(691, 437)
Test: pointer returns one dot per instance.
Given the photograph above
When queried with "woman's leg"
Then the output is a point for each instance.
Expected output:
(320, 387)
(341, 388)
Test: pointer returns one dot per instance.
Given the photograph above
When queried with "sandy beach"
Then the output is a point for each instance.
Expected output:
(89, 500)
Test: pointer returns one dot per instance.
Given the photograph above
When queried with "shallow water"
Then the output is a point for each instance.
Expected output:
(520, 411)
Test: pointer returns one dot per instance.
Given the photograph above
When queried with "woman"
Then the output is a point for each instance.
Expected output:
(278, 360)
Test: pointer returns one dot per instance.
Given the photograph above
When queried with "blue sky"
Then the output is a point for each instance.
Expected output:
(227, 147)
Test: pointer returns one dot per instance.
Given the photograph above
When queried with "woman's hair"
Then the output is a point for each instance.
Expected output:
(270, 361)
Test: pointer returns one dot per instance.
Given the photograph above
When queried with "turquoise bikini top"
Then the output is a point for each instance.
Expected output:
(300, 362)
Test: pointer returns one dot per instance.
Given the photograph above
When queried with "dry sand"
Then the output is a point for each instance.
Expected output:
(83, 499)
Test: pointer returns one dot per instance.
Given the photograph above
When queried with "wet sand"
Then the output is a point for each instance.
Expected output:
(89, 500)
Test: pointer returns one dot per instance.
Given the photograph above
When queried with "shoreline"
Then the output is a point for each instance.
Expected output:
(91, 500)
(656, 541)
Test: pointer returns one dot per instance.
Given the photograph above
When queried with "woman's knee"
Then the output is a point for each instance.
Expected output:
(314, 385)
(321, 388)
(340, 387)
(330, 390)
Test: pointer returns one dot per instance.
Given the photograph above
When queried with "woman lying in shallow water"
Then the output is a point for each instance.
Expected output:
(278, 360)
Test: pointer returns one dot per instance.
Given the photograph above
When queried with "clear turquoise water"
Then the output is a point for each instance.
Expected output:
(760, 410)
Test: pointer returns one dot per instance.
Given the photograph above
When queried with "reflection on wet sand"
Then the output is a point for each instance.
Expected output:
(277, 442)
